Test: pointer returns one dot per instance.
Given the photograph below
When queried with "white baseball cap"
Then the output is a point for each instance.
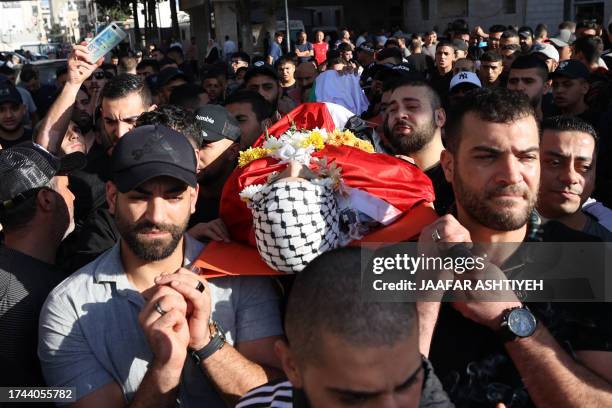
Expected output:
(465, 77)
(546, 49)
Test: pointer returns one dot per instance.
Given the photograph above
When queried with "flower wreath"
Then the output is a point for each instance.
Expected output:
(299, 145)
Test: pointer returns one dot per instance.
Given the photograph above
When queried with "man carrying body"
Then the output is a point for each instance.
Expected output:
(492, 161)
(362, 353)
(120, 328)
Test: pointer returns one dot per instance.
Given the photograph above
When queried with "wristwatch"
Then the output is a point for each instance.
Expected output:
(217, 341)
(517, 322)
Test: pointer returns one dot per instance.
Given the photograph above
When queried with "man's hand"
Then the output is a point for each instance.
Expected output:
(80, 64)
(447, 232)
(186, 283)
(167, 333)
(214, 230)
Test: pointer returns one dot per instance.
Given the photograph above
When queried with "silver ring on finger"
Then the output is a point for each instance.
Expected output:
(159, 309)
(435, 235)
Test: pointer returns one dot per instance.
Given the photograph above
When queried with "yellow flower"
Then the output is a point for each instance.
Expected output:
(315, 139)
(252, 154)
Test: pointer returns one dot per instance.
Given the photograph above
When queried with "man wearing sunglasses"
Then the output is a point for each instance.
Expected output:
(342, 350)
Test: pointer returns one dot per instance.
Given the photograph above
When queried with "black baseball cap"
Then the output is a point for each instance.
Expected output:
(260, 68)
(9, 93)
(27, 167)
(216, 123)
(152, 151)
(168, 74)
(572, 69)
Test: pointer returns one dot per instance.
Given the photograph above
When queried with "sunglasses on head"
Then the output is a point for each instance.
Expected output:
(102, 75)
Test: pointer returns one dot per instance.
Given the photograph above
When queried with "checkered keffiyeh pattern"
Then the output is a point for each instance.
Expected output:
(294, 221)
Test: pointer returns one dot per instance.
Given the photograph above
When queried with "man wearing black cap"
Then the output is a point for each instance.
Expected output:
(137, 326)
(525, 39)
(167, 80)
(36, 210)
(12, 112)
(570, 86)
(461, 49)
(220, 132)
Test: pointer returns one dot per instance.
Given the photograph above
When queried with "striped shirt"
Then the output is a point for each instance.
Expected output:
(281, 394)
(277, 394)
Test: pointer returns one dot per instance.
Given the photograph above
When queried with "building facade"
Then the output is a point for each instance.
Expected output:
(21, 22)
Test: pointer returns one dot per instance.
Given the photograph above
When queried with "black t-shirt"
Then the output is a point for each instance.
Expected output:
(472, 362)
(25, 283)
(441, 83)
(25, 137)
(445, 196)
(421, 62)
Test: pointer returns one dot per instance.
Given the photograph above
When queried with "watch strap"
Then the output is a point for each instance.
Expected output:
(216, 343)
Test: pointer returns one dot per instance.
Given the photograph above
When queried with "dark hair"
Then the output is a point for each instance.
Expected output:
(569, 124)
(127, 63)
(243, 56)
(344, 47)
(213, 74)
(279, 34)
(26, 75)
(175, 118)
(513, 47)
(531, 61)
(446, 43)
(589, 48)
(390, 42)
(286, 59)
(125, 84)
(186, 96)
(106, 67)
(540, 30)
(326, 298)
(262, 108)
(497, 28)
(154, 64)
(497, 105)
(434, 98)
(393, 52)
(490, 56)
(509, 34)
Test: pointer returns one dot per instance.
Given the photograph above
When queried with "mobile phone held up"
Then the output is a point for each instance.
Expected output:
(104, 42)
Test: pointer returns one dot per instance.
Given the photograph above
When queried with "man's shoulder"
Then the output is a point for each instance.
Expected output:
(555, 231)
(277, 393)
(81, 282)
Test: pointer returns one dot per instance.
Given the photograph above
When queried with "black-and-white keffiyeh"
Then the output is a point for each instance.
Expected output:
(294, 221)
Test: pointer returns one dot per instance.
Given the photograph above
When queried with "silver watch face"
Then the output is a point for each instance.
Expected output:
(521, 322)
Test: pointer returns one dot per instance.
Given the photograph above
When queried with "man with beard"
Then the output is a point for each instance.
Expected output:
(529, 74)
(263, 79)
(12, 112)
(36, 215)
(218, 155)
(492, 161)
(568, 150)
(413, 123)
(136, 325)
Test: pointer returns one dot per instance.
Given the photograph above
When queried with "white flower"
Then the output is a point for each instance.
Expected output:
(289, 153)
(273, 143)
(248, 192)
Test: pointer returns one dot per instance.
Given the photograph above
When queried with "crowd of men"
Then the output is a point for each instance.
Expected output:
(111, 186)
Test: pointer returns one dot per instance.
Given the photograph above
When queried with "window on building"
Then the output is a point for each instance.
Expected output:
(425, 9)
(509, 6)
(338, 18)
(453, 8)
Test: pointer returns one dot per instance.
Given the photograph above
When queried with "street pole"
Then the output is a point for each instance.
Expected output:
(159, 37)
(287, 27)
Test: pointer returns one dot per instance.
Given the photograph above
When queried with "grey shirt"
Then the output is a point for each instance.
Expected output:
(89, 333)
